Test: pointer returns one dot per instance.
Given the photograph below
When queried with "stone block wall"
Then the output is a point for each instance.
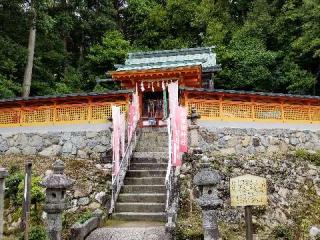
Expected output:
(81, 144)
(251, 141)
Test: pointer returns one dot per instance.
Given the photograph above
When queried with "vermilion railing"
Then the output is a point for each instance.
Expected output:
(254, 111)
(58, 114)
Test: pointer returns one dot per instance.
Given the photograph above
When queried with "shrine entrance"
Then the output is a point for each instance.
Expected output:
(152, 109)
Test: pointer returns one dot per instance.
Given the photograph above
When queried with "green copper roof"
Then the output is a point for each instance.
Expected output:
(171, 59)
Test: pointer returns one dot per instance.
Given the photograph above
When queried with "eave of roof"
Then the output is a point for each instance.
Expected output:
(155, 70)
(252, 93)
(169, 59)
(172, 52)
(160, 65)
(64, 96)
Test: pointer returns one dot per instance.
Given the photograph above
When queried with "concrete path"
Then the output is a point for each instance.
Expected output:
(130, 231)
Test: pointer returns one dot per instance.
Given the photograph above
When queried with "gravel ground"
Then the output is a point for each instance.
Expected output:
(129, 233)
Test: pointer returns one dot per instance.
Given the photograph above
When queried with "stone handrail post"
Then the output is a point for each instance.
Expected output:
(3, 175)
(207, 181)
(56, 185)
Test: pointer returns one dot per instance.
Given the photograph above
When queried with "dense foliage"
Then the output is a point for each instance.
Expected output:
(263, 45)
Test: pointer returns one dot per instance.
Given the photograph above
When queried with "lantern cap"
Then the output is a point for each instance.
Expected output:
(206, 176)
(57, 180)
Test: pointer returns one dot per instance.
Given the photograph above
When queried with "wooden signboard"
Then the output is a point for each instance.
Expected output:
(248, 190)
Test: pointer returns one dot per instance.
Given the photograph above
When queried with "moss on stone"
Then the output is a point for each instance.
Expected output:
(189, 226)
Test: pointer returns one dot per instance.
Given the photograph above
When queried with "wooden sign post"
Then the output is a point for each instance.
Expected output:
(247, 191)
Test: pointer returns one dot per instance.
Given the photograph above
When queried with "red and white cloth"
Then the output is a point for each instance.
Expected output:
(179, 126)
(116, 139)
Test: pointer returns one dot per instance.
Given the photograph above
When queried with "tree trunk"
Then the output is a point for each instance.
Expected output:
(31, 45)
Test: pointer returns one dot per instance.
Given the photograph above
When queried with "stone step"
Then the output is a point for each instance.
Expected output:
(154, 135)
(143, 189)
(142, 216)
(149, 160)
(142, 197)
(140, 207)
(145, 181)
(148, 166)
(154, 129)
(146, 173)
(157, 155)
(146, 148)
(149, 144)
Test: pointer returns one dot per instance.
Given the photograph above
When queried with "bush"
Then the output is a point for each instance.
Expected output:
(308, 156)
(12, 183)
(85, 216)
(37, 233)
(282, 232)
(37, 192)
(189, 227)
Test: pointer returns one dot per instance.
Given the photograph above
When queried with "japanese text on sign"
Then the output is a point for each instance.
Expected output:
(248, 190)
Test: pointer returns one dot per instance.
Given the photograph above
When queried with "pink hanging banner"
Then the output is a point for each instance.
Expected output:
(173, 105)
(131, 118)
(116, 139)
(183, 129)
(122, 132)
(173, 97)
(174, 142)
(177, 136)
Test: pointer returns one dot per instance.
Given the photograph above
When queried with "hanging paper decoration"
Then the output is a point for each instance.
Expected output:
(142, 87)
(158, 83)
(152, 87)
(148, 85)
(163, 86)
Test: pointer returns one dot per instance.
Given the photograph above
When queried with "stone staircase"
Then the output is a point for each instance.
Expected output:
(143, 195)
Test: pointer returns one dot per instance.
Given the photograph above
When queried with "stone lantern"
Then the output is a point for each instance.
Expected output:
(194, 116)
(56, 185)
(207, 181)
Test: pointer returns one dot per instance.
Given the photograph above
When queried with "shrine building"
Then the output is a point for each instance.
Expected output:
(149, 73)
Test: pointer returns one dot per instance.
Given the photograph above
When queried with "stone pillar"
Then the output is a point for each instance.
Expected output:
(207, 181)
(194, 131)
(194, 137)
(171, 224)
(56, 185)
(3, 175)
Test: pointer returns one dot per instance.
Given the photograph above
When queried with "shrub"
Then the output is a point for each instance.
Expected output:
(189, 227)
(308, 156)
(12, 183)
(37, 233)
(282, 232)
(37, 192)
(84, 217)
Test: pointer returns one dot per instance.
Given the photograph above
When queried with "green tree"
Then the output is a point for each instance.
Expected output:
(113, 50)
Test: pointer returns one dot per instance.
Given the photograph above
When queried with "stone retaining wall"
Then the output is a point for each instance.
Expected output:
(250, 141)
(81, 144)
